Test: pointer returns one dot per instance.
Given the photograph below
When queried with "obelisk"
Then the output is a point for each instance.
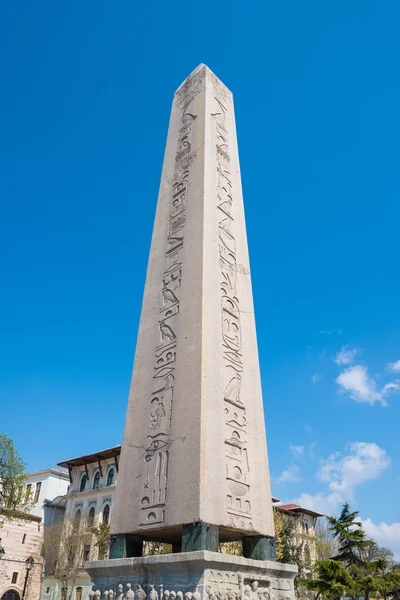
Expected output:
(194, 465)
(194, 468)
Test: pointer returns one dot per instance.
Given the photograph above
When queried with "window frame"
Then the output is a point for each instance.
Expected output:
(82, 486)
(96, 480)
(110, 475)
(107, 511)
(91, 516)
(38, 489)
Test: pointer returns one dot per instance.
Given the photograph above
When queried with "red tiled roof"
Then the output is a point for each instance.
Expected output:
(298, 509)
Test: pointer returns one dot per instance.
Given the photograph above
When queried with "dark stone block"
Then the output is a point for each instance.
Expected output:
(125, 546)
(200, 536)
(259, 547)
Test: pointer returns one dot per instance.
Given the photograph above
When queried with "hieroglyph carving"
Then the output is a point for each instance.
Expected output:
(237, 466)
(156, 458)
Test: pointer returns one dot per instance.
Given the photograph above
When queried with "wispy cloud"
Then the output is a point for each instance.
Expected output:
(324, 332)
(290, 474)
(297, 450)
(315, 378)
(394, 366)
(387, 536)
(346, 355)
(343, 474)
(307, 427)
(362, 387)
(365, 461)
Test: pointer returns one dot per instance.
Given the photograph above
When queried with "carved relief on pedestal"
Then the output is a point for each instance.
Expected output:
(221, 585)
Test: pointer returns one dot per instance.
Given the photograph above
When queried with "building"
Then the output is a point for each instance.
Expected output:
(89, 501)
(305, 531)
(43, 486)
(20, 557)
(21, 538)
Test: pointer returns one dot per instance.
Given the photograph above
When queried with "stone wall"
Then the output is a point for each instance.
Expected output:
(21, 538)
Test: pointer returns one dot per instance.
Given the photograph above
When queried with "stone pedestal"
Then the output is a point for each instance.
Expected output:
(200, 575)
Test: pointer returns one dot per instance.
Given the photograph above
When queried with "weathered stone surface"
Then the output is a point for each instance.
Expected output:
(210, 575)
(194, 444)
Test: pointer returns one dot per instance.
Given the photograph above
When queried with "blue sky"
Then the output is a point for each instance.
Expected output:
(84, 109)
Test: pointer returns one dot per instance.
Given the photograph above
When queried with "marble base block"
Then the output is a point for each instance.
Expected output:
(200, 575)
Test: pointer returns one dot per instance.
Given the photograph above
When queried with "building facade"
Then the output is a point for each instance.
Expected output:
(88, 502)
(20, 557)
(305, 529)
(46, 485)
(21, 538)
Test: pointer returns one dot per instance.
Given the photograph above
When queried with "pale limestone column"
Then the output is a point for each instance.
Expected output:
(194, 446)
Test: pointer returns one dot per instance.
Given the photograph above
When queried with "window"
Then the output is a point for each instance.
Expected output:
(106, 514)
(11, 595)
(110, 477)
(28, 491)
(47, 590)
(96, 481)
(83, 483)
(86, 554)
(91, 517)
(77, 518)
(24, 538)
(307, 556)
(78, 593)
(14, 577)
(37, 491)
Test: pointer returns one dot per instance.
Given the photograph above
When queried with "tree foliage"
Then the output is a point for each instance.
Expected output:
(102, 536)
(12, 479)
(350, 536)
(63, 550)
(357, 567)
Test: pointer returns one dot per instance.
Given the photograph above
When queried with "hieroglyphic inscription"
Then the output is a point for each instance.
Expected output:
(161, 399)
(236, 458)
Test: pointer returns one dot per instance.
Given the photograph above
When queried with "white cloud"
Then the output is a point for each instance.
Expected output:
(324, 332)
(322, 502)
(289, 475)
(362, 387)
(390, 387)
(307, 427)
(394, 366)
(315, 378)
(364, 462)
(296, 449)
(346, 356)
(384, 535)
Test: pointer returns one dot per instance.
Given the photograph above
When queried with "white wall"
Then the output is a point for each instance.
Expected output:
(54, 484)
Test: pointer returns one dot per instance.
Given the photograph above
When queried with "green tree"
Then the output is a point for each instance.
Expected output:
(287, 548)
(102, 537)
(359, 566)
(12, 479)
(331, 580)
(350, 536)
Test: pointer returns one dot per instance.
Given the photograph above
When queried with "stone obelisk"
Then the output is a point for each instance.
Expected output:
(194, 447)
(194, 468)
